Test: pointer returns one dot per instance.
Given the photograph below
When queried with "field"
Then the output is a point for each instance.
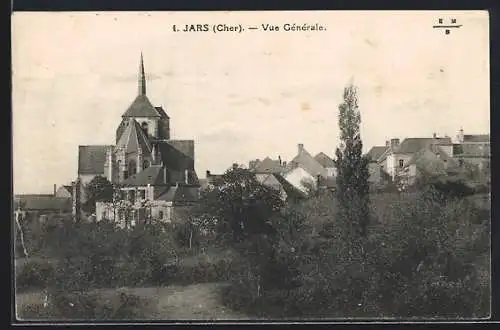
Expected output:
(192, 302)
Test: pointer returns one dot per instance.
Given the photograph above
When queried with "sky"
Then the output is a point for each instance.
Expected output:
(240, 96)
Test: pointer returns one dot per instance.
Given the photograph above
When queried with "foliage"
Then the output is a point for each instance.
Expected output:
(99, 189)
(420, 263)
(33, 275)
(240, 205)
(352, 168)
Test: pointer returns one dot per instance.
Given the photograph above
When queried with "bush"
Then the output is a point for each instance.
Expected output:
(420, 263)
(34, 274)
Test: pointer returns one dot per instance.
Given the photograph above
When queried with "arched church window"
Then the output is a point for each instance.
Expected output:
(146, 164)
(144, 126)
(132, 167)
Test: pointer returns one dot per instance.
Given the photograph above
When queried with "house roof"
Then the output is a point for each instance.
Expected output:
(428, 150)
(308, 163)
(376, 152)
(324, 160)
(267, 179)
(471, 150)
(268, 165)
(133, 138)
(91, 159)
(412, 145)
(179, 193)
(477, 138)
(43, 203)
(141, 107)
(290, 190)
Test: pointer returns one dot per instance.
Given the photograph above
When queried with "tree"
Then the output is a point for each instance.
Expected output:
(241, 205)
(352, 167)
(99, 189)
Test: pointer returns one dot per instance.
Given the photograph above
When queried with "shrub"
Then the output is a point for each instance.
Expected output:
(34, 275)
(420, 263)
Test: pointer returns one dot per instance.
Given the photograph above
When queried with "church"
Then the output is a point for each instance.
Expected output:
(145, 162)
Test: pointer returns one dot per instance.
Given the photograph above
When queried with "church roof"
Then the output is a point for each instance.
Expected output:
(162, 112)
(91, 159)
(133, 138)
(184, 146)
(174, 158)
(153, 175)
(141, 107)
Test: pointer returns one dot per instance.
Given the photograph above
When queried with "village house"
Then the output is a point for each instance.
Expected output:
(301, 176)
(472, 149)
(436, 155)
(145, 164)
(39, 206)
(430, 160)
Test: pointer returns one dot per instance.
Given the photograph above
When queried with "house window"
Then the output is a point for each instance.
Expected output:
(143, 194)
(401, 163)
(160, 214)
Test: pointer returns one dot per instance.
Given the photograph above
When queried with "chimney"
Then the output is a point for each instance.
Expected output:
(279, 159)
(387, 143)
(235, 166)
(394, 143)
(284, 163)
(300, 147)
(55, 190)
(207, 174)
(434, 135)
(460, 136)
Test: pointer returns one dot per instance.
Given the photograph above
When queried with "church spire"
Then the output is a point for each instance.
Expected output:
(142, 78)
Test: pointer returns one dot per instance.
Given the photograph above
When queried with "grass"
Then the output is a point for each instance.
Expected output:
(192, 302)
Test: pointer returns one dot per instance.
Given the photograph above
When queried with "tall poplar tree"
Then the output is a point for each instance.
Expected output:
(352, 167)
